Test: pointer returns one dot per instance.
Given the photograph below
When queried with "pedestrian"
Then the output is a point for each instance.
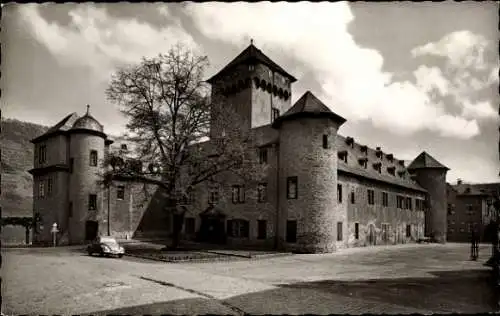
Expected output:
(473, 253)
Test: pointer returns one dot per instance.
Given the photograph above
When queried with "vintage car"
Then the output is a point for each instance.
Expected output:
(105, 246)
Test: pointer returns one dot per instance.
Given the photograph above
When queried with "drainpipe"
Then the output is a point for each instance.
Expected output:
(278, 217)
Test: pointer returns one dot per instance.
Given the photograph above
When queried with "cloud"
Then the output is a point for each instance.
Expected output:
(95, 39)
(462, 49)
(351, 76)
(467, 72)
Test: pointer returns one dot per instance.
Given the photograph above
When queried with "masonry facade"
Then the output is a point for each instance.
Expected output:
(322, 191)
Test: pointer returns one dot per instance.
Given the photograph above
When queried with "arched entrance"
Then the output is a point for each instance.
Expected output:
(371, 236)
(212, 228)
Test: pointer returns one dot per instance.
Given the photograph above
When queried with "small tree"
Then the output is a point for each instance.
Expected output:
(169, 113)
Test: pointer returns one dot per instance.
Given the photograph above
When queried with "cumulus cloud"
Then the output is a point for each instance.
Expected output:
(95, 39)
(467, 72)
(351, 76)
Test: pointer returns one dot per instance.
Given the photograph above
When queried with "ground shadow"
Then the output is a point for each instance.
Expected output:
(466, 291)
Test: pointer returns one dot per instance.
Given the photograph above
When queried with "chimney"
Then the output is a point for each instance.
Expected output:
(459, 181)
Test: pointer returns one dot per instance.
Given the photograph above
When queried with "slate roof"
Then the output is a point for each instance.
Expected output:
(252, 54)
(353, 168)
(62, 126)
(308, 106)
(426, 161)
(486, 189)
(88, 122)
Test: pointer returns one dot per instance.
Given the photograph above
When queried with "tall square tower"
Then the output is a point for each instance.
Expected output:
(254, 88)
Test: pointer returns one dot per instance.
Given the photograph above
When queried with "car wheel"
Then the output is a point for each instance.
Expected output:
(120, 255)
(101, 254)
(89, 252)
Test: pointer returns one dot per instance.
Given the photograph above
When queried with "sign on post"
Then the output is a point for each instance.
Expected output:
(54, 232)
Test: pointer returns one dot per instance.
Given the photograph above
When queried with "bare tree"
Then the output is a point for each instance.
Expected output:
(169, 112)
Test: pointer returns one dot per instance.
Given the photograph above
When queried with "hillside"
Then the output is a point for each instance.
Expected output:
(17, 159)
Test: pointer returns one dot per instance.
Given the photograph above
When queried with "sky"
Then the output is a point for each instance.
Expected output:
(408, 77)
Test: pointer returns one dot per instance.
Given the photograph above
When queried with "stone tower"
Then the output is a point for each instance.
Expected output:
(254, 87)
(307, 153)
(86, 152)
(431, 175)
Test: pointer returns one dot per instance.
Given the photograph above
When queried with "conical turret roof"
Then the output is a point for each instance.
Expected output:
(249, 55)
(309, 106)
(426, 161)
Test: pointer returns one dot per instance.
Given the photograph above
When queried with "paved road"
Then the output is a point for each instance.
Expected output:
(396, 279)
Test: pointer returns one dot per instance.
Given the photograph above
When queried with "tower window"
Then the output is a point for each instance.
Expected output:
(93, 158)
(263, 155)
(42, 154)
(120, 192)
(291, 188)
(251, 67)
(339, 192)
(356, 230)
(276, 113)
(92, 202)
(71, 164)
(325, 141)
(339, 231)
(353, 200)
(408, 231)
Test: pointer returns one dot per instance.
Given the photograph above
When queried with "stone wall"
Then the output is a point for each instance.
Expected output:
(371, 217)
(302, 156)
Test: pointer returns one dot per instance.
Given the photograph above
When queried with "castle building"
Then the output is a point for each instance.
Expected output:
(322, 191)
(470, 209)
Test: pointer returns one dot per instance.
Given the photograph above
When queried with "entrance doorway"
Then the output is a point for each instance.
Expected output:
(212, 227)
(91, 229)
(371, 237)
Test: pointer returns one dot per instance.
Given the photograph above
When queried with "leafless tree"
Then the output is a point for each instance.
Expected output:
(169, 109)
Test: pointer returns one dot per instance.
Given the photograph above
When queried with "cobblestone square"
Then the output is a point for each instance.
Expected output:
(428, 278)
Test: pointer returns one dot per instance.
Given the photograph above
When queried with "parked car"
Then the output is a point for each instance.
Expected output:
(105, 246)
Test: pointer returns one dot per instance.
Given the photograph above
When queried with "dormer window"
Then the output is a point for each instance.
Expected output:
(390, 157)
(342, 155)
(378, 152)
(401, 163)
(391, 170)
(363, 162)
(350, 141)
(325, 141)
(276, 114)
(377, 166)
(401, 174)
(251, 67)
(364, 149)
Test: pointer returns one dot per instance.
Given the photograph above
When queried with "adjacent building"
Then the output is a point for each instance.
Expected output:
(322, 191)
(470, 209)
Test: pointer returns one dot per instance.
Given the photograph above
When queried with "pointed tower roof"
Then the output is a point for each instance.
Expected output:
(309, 106)
(62, 126)
(426, 161)
(249, 55)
